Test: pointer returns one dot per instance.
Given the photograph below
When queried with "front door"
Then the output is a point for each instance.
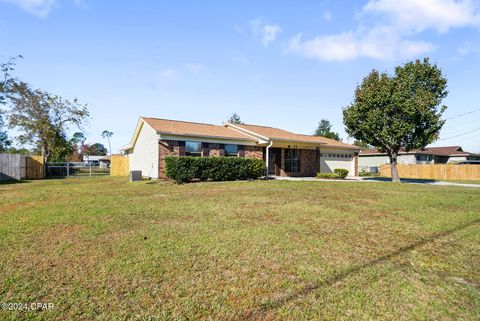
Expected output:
(274, 161)
(292, 161)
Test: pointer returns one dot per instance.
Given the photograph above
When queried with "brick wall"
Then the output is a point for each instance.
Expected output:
(355, 163)
(253, 151)
(309, 163)
(177, 148)
(216, 150)
(169, 148)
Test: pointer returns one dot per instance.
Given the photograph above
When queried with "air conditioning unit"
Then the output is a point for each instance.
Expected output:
(135, 176)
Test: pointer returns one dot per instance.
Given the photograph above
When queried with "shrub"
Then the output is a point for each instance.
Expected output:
(326, 175)
(340, 172)
(185, 169)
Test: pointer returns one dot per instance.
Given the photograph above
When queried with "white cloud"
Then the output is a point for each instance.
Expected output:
(267, 32)
(377, 43)
(416, 15)
(39, 8)
(194, 67)
(386, 29)
(330, 47)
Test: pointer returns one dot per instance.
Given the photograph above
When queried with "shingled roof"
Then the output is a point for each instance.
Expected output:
(272, 133)
(178, 127)
(244, 132)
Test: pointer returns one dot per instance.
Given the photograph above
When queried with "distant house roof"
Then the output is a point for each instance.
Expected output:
(95, 157)
(272, 133)
(435, 151)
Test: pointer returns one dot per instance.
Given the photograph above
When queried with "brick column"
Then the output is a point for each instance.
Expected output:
(181, 148)
(241, 151)
(168, 148)
(282, 162)
(317, 160)
(355, 163)
(205, 149)
(221, 150)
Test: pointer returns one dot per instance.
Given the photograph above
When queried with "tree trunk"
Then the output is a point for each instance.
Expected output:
(393, 168)
(44, 158)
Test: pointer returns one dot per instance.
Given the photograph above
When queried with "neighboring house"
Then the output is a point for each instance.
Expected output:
(96, 160)
(289, 154)
(371, 159)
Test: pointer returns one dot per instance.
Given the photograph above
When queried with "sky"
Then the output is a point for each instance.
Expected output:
(285, 64)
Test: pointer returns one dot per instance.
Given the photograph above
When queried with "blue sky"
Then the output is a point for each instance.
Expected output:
(286, 64)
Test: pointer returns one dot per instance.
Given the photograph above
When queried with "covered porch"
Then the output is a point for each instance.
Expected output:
(291, 159)
(284, 158)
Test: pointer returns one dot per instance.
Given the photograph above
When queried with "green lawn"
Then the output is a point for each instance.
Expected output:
(105, 249)
(462, 181)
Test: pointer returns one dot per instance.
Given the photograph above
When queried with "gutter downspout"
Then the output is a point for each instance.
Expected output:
(267, 159)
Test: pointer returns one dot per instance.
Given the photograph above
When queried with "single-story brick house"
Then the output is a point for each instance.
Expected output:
(286, 153)
(371, 159)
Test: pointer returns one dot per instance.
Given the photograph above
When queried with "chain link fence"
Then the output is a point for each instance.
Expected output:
(76, 170)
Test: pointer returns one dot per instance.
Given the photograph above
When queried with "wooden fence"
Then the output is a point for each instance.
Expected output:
(119, 165)
(437, 171)
(18, 167)
(35, 167)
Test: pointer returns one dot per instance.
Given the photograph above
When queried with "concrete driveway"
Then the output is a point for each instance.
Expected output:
(378, 179)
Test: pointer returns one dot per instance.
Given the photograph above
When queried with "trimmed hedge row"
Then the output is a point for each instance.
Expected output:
(186, 168)
(337, 173)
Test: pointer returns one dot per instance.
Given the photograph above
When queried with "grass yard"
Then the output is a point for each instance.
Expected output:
(105, 249)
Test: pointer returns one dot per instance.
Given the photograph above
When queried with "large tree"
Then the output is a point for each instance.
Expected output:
(361, 144)
(4, 141)
(6, 81)
(96, 149)
(324, 129)
(60, 148)
(397, 112)
(235, 119)
(77, 141)
(43, 118)
(108, 134)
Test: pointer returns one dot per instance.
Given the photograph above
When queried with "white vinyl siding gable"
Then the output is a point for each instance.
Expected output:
(145, 152)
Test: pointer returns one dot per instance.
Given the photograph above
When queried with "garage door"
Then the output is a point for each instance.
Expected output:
(333, 161)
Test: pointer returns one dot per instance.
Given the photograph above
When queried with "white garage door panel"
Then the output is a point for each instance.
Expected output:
(328, 165)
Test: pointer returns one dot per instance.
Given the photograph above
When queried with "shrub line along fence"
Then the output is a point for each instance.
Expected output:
(437, 171)
(18, 167)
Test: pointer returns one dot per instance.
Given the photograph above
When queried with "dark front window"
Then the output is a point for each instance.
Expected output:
(292, 160)
(193, 149)
(231, 150)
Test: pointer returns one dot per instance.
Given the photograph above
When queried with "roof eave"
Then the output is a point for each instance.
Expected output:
(206, 136)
